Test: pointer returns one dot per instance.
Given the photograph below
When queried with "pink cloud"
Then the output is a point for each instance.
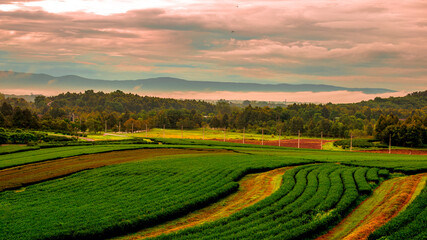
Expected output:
(256, 40)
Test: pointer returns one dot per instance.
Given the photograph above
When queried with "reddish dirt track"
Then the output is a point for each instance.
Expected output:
(253, 188)
(391, 197)
(304, 143)
(315, 144)
(398, 151)
(15, 177)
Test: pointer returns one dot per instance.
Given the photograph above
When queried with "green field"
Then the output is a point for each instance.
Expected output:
(123, 198)
(209, 134)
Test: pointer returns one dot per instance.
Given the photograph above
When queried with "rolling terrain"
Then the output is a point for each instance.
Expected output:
(195, 189)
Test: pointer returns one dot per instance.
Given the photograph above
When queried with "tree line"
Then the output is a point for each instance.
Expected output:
(119, 111)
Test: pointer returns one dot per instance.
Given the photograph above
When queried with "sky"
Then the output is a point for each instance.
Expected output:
(363, 43)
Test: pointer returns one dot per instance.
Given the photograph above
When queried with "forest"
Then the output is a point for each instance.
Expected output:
(402, 118)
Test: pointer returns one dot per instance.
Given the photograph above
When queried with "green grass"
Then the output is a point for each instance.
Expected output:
(210, 134)
(6, 149)
(99, 137)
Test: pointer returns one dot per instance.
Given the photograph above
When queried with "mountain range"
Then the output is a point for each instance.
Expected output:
(72, 83)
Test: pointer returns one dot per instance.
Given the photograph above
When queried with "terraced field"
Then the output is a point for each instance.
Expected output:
(15, 177)
(198, 192)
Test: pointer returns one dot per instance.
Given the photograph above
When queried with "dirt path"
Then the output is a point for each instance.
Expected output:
(304, 143)
(253, 188)
(391, 197)
(15, 177)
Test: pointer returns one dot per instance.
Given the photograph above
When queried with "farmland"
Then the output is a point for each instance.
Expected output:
(196, 189)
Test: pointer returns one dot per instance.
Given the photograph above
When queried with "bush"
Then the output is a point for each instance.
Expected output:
(22, 137)
(360, 143)
(3, 138)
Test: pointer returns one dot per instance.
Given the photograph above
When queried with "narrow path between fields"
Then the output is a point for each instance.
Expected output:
(391, 197)
(253, 188)
(15, 177)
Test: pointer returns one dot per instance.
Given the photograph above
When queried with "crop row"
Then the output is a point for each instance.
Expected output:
(409, 224)
(118, 199)
(38, 155)
(310, 199)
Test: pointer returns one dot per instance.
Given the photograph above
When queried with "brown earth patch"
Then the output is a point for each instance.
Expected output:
(398, 151)
(304, 143)
(391, 197)
(253, 188)
(15, 177)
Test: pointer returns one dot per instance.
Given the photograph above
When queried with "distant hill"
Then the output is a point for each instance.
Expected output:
(415, 100)
(15, 80)
(28, 98)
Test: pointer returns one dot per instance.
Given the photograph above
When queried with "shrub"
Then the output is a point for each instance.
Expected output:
(360, 143)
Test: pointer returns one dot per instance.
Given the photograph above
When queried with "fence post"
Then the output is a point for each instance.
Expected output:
(262, 137)
(321, 140)
(243, 135)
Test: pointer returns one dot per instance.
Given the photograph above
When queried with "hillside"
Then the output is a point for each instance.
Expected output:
(15, 80)
(415, 100)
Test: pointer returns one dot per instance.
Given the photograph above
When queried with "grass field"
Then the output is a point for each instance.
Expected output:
(148, 186)
(209, 134)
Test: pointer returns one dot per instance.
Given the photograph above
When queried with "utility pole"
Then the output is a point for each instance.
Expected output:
(321, 140)
(243, 135)
(262, 136)
(299, 134)
(389, 144)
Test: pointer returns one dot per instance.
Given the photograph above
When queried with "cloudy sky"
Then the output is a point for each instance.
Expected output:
(363, 43)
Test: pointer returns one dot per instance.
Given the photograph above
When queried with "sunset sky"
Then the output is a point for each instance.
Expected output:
(345, 43)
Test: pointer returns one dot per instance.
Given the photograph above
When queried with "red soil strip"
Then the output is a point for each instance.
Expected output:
(398, 151)
(15, 177)
(397, 196)
(253, 188)
(304, 143)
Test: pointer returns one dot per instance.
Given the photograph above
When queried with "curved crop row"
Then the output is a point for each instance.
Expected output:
(311, 201)
(117, 199)
(409, 224)
(361, 180)
(372, 174)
